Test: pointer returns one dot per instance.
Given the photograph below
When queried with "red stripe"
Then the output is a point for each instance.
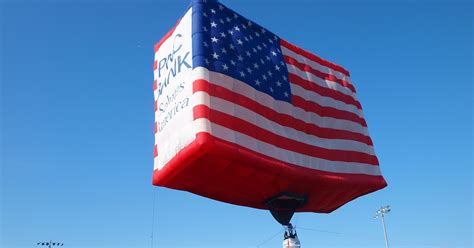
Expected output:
(323, 91)
(156, 106)
(322, 75)
(155, 127)
(155, 151)
(155, 66)
(313, 57)
(313, 107)
(155, 85)
(167, 35)
(247, 128)
(282, 119)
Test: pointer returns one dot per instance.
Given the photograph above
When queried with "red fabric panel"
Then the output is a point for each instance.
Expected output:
(231, 173)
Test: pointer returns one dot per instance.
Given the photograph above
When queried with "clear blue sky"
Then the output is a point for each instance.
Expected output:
(77, 124)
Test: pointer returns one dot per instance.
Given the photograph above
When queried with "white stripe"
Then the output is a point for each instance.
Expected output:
(324, 100)
(321, 82)
(288, 132)
(280, 106)
(285, 155)
(315, 65)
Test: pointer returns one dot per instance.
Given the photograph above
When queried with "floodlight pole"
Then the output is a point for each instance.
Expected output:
(381, 213)
(385, 231)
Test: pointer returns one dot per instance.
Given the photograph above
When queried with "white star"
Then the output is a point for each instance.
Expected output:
(221, 21)
(268, 58)
(232, 62)
(271, 89)
(264, 45)
(213, 24)
(262, 61)
(244, 27)
(278, 83)
(254, 50)
(240, 58)
(225, 67)
(275, 37)
(206, 60)
(270, 40)
(237, 28)
(285, 78)
(259, 47)
(242, 74)
(246, 39)
(214, 39)
(221, 7)
(228, 19)
(286, 94)
(239, 41)
(249, 23)
(249, 70)
(205, 29)
(205, 44)
(274, 53)
(230, 32)
(223, 50)
(255, 65)
(248, 53)
(213, 11)
(257, 82)
(204, 14)
(277, 68)
(231, 47)
(282, 64)
(257, 34)
(270, 73)
(215, 55)
(264, 77)
(223, 35)
(236, 16)
(263, 30)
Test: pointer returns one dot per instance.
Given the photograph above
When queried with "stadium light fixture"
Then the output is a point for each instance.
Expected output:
(380, 213)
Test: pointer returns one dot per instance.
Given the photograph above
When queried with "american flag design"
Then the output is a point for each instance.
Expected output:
(263, 116)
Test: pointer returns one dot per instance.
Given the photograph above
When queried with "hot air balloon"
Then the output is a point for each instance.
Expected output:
(245, 117)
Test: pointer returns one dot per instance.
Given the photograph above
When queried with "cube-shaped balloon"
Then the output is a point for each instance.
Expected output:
(242, 115)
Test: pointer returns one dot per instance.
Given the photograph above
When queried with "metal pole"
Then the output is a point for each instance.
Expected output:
(153, 218)
(384, 231)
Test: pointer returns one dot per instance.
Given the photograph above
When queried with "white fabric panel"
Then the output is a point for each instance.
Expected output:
(174, 115)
